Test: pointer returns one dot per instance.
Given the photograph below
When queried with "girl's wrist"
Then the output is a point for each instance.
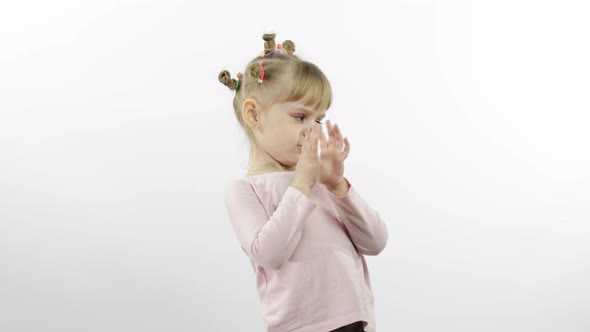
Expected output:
(341, 189)
(306, 189)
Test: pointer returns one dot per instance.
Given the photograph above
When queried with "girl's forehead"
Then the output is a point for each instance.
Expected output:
(300, 106)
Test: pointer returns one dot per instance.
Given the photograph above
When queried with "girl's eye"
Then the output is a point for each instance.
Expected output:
(301, 117)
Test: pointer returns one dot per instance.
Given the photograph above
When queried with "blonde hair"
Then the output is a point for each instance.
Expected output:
(286, 78)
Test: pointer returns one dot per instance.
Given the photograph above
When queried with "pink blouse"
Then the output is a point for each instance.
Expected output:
(306, 252)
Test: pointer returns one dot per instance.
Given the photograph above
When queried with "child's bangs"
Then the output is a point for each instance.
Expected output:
(309, 85)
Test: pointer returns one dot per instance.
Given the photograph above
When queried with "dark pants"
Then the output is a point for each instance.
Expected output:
(354, 327)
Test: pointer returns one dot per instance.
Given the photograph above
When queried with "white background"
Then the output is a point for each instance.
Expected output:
(469, 129)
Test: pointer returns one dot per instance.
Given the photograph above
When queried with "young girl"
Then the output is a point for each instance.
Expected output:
(303, 226)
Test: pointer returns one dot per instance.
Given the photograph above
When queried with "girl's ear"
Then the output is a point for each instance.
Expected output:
(251, 112)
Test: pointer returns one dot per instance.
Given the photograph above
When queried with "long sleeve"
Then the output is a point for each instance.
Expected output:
(366, 228)
(268, 241)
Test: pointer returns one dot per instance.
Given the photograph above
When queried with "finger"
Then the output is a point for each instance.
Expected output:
(314, 145)
(323, 139)
(346, 148)
(338, 136)
(310, 142)
(332, 137)
(307, 145)
(322, 136)
(329, 137)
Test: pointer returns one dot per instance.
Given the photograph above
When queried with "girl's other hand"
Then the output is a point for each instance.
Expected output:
(332, 156)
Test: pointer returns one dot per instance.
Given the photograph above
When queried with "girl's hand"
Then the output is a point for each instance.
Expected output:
(307, 169)
(332, 157)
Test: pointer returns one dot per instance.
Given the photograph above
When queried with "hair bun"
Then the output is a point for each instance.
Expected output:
(225, 79)
(255, 70)
(269, 42)
(289, 47)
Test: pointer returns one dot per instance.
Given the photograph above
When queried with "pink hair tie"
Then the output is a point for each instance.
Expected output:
(261, 79)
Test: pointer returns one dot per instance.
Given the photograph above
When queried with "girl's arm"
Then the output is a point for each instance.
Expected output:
(268, 241)
(366, 228)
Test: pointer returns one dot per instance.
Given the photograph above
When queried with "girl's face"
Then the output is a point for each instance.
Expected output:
(281, 133)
